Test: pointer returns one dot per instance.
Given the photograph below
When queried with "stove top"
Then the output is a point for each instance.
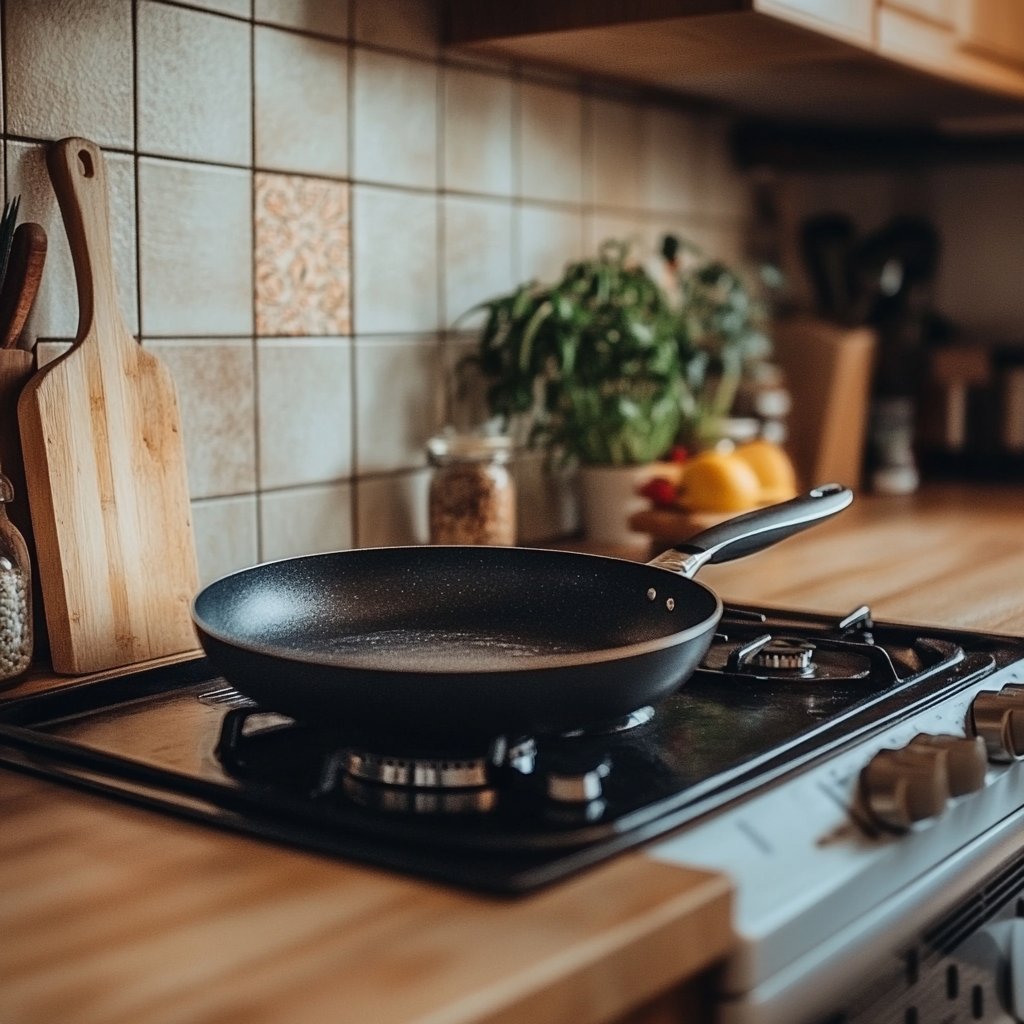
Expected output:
(777, 691)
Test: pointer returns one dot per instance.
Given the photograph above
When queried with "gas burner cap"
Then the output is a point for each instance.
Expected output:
(417, 772)
(420, 801)
(784, 653)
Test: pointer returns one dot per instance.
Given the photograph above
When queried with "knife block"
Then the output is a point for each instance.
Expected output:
(828, 372)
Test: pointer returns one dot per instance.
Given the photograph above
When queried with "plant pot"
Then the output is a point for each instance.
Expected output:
(608, 497)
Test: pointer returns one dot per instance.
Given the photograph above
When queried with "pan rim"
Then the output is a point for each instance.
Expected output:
(521, 664)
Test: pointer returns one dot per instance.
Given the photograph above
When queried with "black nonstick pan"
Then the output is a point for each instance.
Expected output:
(445, 642)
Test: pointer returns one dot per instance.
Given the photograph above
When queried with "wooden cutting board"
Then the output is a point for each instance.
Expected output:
(105, 464)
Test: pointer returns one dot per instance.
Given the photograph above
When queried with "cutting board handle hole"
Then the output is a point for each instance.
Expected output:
(85, 159)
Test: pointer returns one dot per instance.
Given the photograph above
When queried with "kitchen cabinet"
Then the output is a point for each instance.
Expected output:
(852, 20)
(863, 62)
(977, 42)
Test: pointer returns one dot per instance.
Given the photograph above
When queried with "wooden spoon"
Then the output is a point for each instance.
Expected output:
(21, 282)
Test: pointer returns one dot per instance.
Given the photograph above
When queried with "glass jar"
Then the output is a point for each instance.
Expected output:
(15, 593)
(472, 496)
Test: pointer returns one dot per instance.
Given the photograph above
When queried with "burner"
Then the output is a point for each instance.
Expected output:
(784, 653)
(420, 801)
(635, 718)
(417, 772)
(787, 659)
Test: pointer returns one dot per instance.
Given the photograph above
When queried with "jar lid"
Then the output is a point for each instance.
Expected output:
(452, 447)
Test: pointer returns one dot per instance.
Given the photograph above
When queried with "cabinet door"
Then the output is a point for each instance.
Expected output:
(941, 12)
(851, 20)
(993, 28)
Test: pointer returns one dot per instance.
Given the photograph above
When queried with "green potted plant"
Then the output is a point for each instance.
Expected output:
(594, 365)
(608, 369)
(722, 328)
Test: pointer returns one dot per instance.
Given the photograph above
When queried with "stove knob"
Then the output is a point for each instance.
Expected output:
(966, 761)
(900, 787)
(577, 786)
(998, 718)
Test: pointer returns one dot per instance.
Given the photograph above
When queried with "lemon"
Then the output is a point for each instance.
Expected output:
(772, 467)
(716, 482)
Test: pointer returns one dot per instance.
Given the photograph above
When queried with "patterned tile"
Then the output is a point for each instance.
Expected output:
(302, 256)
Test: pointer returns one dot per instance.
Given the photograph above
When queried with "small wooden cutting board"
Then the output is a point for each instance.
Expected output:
(105, 464)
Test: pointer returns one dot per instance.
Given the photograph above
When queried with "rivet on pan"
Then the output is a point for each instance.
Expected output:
(651, 594)
(670, 603)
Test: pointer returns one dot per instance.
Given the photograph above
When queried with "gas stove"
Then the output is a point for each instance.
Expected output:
(829, 764)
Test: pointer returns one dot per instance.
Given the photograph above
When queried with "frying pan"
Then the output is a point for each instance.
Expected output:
(446, 642)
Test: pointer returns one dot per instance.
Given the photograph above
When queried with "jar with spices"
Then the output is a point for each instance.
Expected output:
(15, 593)
(472, 496)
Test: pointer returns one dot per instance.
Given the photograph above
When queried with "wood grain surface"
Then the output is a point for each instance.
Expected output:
(16, 369)
(112, 915)
(21, 282)
(951, 555)
(105, 463)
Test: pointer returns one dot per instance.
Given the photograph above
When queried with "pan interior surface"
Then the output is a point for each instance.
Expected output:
(438, 609)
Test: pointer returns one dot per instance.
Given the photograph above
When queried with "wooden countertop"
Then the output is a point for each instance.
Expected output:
(947, 556)
(111, 914)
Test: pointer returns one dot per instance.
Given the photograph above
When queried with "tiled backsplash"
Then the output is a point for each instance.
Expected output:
(306, 196)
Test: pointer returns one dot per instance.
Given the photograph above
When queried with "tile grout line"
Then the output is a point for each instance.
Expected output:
(353, 390)
(4, 107)
(135, 166)
(254, 308)
(440, 403)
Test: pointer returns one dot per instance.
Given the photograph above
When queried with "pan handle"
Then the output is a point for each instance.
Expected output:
(754, 531)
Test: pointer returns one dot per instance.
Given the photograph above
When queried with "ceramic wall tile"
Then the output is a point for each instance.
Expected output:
(216, 396)
(301, 103)
(719, 241)
(723, 190)
(305, 411)
(477, 132)
(195, 233)
(399, 401)
(601, 226)
(394, 257)
(671, 141)
(547, 499)
(478, 255)
(325, 17)
(616, 154)
(305, 521)
(225, 533)
(55, 312)
(394, 108)
(410, 25)
(302, 256)
(194, 93)
(392, 510)
(551, 144)
(465, 386)
(548, 240)
(69, 70)
(47, 351)
(237, 8)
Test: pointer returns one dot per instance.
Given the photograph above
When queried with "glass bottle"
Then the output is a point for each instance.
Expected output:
(472, 495)
(15, 593)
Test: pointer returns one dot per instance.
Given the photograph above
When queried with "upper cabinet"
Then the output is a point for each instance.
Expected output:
(852, 20)
(866, 62)
(977, 43)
